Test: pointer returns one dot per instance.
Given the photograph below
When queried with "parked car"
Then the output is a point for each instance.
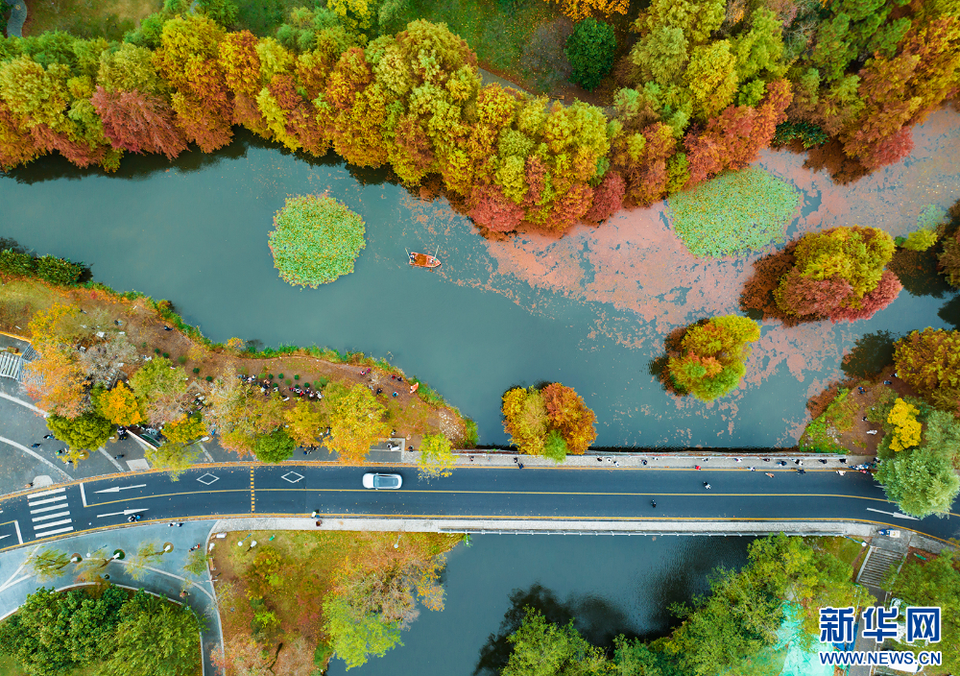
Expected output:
(382, 482)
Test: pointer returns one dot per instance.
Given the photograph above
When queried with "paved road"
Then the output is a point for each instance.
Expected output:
(471, 492)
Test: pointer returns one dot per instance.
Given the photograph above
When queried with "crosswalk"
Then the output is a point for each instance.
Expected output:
(50, 513)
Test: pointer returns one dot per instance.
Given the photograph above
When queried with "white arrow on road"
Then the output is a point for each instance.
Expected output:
(5, 536)
(126, 512)
(117, 489)
(895, 515)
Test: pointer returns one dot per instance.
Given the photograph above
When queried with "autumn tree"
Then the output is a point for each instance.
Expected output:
(159, 387)
(241, 414)
(551, 421)
(56, 382)
(356, 421)
(710, 361)
(180, 449)
(120, 406)
(305, 420)
(187, 59)
(839, 274)
(929, 361)
(436, 457)
(138, 123)
(274, 447)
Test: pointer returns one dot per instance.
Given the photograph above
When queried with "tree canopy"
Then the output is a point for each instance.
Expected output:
(551, 421)
(710, 361)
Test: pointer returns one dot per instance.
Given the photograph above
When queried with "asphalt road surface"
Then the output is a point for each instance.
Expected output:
(622, 494)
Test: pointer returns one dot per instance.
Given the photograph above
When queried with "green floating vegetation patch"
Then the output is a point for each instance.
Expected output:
(316, 240)
(736, 212)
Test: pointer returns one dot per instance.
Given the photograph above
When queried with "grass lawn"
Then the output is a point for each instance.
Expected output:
(88, 18)
(844, 549)
(312, 563)
(526, 40)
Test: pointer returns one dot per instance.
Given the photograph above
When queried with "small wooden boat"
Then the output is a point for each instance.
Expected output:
(421, 260)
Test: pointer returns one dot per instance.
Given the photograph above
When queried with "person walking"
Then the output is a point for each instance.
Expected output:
(706, 485)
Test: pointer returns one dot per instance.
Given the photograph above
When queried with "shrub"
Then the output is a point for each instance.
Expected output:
(920, 240)
(316, 240)
(590, 50)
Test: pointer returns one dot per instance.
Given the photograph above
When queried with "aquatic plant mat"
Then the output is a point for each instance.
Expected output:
(734, 213)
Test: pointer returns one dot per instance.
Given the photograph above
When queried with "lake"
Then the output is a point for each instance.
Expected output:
(590, 310)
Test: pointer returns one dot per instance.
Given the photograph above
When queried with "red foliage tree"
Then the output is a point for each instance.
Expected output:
(492, 210)
(138, 123)
(885, 293)
(607, 198)
(76, 152)
(569, 414)
(565, 211)
(647, 178)
(808, 297)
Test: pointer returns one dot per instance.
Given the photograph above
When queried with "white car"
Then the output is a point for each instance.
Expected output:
(382, 482)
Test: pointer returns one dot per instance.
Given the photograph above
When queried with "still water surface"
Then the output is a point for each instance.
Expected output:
(610, 585)
(195, 232)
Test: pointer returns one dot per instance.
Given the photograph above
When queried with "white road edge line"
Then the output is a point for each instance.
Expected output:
(39, 457)
(33, 408)
(16, 524)
(206, 453)
(111, 459)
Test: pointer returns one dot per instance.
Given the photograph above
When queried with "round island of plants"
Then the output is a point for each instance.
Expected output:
(316, 240)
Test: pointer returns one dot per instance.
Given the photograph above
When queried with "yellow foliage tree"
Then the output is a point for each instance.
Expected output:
(54, 326)
(356, 421)
(907, 428)
(578, 10)
(185, 429)
(305, 421)
(120, 406)
(436, 457)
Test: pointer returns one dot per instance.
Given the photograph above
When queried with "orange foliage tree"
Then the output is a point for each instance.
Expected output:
(551, 421)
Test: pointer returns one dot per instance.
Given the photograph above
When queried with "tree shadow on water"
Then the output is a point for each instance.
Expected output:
(917, 271)
(871, 354)
(596, 620)
(950, 312)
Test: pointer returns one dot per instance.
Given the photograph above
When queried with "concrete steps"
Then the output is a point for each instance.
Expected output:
(876, 565)
(11, 365)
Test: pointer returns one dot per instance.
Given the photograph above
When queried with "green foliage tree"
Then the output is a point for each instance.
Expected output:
(540, 648)
(356, 633)
(590, 49)
(922, 480)
(274, 447)
(55, 632)
(316, 240)
(936, 583)
(47, 563)
(356, 420)
(154, 636)
(160, 387)
(710, 362)
(86, 432)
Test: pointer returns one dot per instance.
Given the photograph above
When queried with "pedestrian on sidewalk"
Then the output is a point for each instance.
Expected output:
(696, 466)
(37, 445)
(520, 465)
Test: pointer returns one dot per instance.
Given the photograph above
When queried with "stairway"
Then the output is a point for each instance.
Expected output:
(876, 565)
(11, 365)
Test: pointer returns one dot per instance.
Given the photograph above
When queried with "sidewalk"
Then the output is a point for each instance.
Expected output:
(165, 575)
